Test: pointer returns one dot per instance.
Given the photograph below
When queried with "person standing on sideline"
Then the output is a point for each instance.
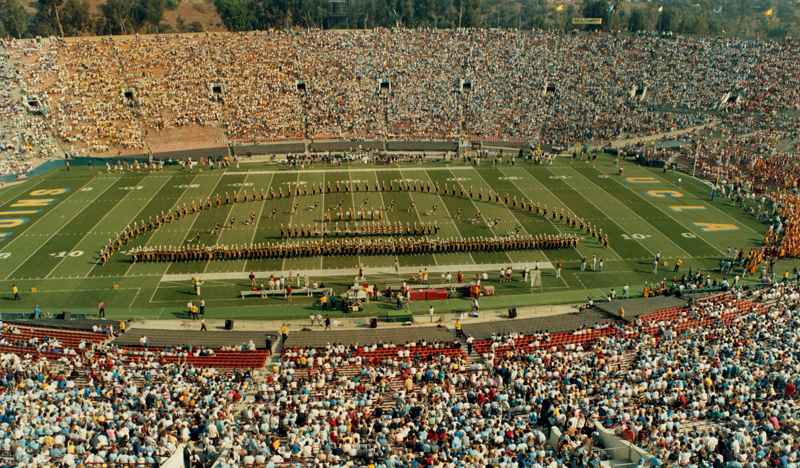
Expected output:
(457, 326)
(655, 267)
(36, 312)
(312, 317)
(396, 268)
(143, 341)
(16, 292)
(470, 339)
(583, 264)
(324, 301)
(289, 292)
(400, 301)
(197, 285)
(594, 261)
(284, 332)
(252, 280)
(430, 312)
(203, 325)
(121, 327)
(678, 263)
(625, 290)
(189, 306)
(102, 309)
(600, 266)
(679, 182)
(561, 263)
(327, 322)
(319, 319)
(202, 307)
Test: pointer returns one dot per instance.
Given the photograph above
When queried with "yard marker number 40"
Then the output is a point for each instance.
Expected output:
(635, 237)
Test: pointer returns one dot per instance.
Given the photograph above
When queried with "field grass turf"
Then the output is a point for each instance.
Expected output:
(71, 215)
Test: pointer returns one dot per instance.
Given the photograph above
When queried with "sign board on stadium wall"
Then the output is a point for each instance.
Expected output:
(22, 177)
(587, 20)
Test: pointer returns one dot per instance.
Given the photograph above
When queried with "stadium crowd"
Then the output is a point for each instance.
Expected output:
(709, 384)
(23, 137)
(111, 97)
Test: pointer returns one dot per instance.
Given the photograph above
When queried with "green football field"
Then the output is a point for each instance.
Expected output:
(54, 227)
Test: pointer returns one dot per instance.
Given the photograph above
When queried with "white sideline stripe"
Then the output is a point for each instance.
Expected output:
(490, 269)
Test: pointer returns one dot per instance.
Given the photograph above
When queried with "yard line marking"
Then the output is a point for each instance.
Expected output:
(227, 217)
(48, 212)
(708, 203)
(416, 211)
(353, 207)
(659, 209)
(514, 183)
(476, 207)
(58, 231)
(22, 192)
(134, 219)
(614, 220)
(565, 206)
(258, 219)
(96, 224)
(147, 241)
(134, 297)
(579, 280)
(322, 204)
(292, 190)
(455, 225)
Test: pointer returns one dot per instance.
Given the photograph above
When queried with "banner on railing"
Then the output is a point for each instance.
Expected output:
(587, 20)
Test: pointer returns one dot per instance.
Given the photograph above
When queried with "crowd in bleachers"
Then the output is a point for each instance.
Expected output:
(113, 96)
(709, 383)
(23, 137)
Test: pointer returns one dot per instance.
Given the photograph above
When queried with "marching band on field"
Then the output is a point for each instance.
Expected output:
(355, 246)
(331, 238)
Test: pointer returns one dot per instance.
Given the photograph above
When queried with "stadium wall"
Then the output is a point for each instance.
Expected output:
(620, 448)
(40, 169)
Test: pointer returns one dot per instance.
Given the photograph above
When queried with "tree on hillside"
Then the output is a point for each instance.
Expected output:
(639, 20)
(77, 18)
(597, 9)
(51, 6)
(667, 20)
(14, 18)
(117, 17)
(235, 15)
(148, 13)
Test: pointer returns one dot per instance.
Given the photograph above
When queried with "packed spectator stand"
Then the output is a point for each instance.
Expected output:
(712, 379)
(131, 96)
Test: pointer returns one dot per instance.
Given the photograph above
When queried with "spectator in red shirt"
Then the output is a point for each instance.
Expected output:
(460, 277)
(789, 390)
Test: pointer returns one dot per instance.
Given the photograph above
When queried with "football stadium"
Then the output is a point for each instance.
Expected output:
(399, 248)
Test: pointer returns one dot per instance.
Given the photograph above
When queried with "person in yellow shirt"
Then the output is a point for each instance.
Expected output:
(284, 332)
(16, 292)
(678, 263)
(458, 328)
(121, 326)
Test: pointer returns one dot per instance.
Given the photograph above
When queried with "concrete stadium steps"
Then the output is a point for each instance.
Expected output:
(68, 339)
(209, 339)
(554, 324)
(400, 336)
